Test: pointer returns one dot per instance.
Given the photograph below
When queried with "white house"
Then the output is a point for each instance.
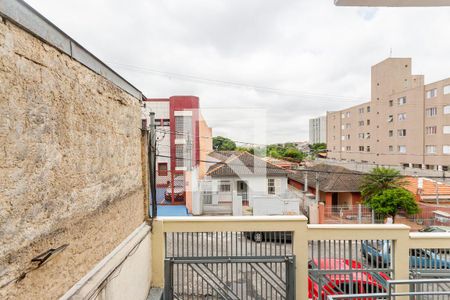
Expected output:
(236, 179)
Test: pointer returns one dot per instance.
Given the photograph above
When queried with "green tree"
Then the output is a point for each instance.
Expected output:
(246, 149)
(223, 144)
(379, 180)
(318, 147)
(390, 201)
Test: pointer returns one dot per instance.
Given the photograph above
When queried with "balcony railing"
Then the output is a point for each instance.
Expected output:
(285, 258)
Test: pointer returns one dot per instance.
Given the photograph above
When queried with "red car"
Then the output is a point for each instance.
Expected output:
(337, 283)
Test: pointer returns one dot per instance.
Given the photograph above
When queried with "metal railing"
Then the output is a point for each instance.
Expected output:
(329, 259)
(420, 289)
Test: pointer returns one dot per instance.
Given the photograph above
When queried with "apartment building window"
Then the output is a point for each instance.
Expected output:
(348, 148)
(361, 148)
(446, 109)
(446, 149)
(361, 110)
(402, 149)
(348, 136)
(368, 148)
(391, 133)
(401, 116)
(368, 108)
(348, 125)
(343, 149)
(390, 119)
(429, 130)
(342, 126)
(391, 148)
(446, 129)
(166, 122)
(361, 135)
(361, 123)
(431, 93)
(401, 101)
(343, 138)
(270, 186)
(368, 135)
(368, 122)
(347, 114)
(430, 112)
(179, 156)
(342, 115)
(162, 169)
(447, 89)
(391, 103)
(401, 132)
(430, 149)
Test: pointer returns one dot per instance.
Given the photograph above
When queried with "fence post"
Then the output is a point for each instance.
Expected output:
(373, 216)
(400, 258)
(158, 254)
(300, 250)
(359, 214)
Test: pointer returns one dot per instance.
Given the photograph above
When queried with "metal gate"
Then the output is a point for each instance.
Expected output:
(229, 265)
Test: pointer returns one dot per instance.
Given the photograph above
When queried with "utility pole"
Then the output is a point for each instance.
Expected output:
(437, 192)
(305, 187)
(152, 165)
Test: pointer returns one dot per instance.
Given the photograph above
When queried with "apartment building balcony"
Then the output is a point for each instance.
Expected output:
(271, 257)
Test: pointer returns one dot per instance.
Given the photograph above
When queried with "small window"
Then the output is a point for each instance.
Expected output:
(430, 130)
(446, 129)
(166, 122)
(348, 125)
(162, 169)
(390, 119)
(342, 115)
(402, 101)
(361, 135)
(368, 122)
(391, 148)
(348, 136)
(430, 112)
(361, 123)
(368, 135)
(347, 114)
(401, 116)
(446, 109)
(271, 186)
(447, 89)
(225, 186)
(343, 138)
(368, 108)
(361, 148)
(391, 133)
(391, 103)
(430, 149)
(446, 149)
(431, 93)
(368, 148)
(348, 148)
(402, 149)
(361, 110)
(342, 126)
(401, 132)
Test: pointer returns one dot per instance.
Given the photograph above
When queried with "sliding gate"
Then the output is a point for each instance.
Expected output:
(229, 265)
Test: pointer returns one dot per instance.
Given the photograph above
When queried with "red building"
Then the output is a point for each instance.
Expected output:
(178, 143)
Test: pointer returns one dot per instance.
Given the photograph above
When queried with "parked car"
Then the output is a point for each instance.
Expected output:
(435, 229)
(378, 253)
(178, 191)
(357, 281)
(272, 236)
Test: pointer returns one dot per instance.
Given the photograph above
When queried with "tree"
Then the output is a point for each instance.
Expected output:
(379, 180)
(390, 201)
(318, 147)
(223, 144)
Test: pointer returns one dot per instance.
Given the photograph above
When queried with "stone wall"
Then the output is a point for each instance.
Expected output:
(70, 166)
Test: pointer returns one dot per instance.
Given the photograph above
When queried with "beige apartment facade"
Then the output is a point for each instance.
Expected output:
(406, 122)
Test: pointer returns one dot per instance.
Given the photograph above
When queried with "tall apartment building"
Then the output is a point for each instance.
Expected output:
(318, 130)
(179, 128)
(406, 122)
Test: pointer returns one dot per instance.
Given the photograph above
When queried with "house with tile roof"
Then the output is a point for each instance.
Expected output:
(338, 186)
(239, 175)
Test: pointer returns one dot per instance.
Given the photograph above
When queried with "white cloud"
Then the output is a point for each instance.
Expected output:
(311, 47)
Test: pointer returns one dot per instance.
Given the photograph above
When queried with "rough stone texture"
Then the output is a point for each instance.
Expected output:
(70, 166)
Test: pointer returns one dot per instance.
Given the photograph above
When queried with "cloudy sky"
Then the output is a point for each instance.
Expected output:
(271, 64)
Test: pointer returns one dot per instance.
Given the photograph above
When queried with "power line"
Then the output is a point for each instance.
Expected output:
(301, 171)
(234, 84)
